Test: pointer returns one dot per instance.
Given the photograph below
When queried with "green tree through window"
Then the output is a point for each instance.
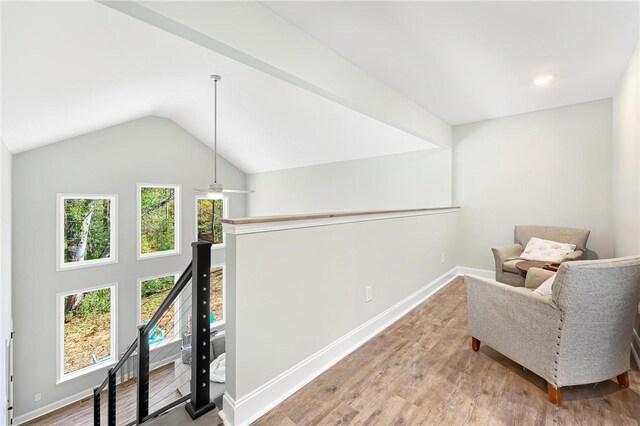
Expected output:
(87, 229)
(87, 329)
(210, 212)
(157, 219)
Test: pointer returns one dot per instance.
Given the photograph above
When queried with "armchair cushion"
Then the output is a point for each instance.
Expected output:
(546, 250)
(510, 266)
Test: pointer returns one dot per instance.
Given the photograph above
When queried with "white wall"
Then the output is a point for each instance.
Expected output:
(112, 160)
(626, 160)
(550, 167)
(293, 292)
(411, 180)
(626, 165)
(5, 271)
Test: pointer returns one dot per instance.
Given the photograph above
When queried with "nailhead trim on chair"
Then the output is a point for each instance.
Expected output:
(555, 361)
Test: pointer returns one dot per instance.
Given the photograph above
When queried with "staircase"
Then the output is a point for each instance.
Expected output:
(198, 401)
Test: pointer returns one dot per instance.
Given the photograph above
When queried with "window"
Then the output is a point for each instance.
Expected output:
(216, 301)
(158, 220)
(152, 291)
(86, 230)
(209, 212)
(86, 332)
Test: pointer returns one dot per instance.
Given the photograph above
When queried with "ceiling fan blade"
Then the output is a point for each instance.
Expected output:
(237, 191)
(200, 190)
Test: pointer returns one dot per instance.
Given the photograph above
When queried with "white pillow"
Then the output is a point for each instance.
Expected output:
(545, 288)
(218, 369)
(546, 251)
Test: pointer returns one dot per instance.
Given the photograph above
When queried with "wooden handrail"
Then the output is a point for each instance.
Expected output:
(284, 218)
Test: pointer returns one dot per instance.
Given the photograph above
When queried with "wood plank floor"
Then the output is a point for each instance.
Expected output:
(162, 391)
(421, 370)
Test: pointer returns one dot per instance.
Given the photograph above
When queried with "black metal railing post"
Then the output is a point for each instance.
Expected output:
(111, 400)
(200, 330)
(142, 409)
(96, 406)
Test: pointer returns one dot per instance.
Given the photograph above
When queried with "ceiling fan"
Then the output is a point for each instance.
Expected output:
(216, 187)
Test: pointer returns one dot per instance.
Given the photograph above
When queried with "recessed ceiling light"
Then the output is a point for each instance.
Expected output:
(544, 78)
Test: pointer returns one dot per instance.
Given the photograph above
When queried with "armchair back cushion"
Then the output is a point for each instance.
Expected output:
(523, 233)
(599, 301)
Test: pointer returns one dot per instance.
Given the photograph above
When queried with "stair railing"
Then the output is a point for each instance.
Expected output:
(198, 273)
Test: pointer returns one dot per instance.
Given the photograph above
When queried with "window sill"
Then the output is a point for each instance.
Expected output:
(86, 264)
(84, 371)
(159, 254)
(218, 325)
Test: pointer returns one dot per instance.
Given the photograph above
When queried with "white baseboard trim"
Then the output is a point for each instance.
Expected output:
(484, 273)
(52, 407)
(257, 403)
(250, 407)
(633, 347)
(31, 415)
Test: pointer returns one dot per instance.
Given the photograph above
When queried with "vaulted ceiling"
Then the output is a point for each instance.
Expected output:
(69, 68)
(474, 60)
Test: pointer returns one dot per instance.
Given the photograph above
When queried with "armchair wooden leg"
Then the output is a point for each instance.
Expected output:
(623, 379)
(475, 344)
(554, 394)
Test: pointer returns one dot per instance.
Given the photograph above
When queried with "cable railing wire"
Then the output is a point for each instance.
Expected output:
(197, 273)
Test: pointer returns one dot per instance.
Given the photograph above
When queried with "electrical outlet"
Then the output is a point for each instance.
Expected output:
(369, 293)
(442, 257)
(37, 397)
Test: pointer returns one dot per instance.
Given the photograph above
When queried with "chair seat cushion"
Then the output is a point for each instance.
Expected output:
(510, 266)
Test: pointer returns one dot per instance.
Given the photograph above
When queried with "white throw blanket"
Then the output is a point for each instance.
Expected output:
(217, 370)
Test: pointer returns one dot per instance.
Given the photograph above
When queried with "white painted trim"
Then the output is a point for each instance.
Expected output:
(177, 225)
(252, 228)
(225, 214)
(113, 231)
(633, 349)
(60, 375)
(278, 389)
(255, 404)
(31, 415)
(484, 273)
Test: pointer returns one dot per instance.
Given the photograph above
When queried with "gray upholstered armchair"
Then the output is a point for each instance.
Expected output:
(580, 334)
(506, 257)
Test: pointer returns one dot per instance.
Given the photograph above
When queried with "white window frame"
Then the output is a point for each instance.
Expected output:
(225, 214)
(60, 374)
(221, 322)
(113, 219)
(176, 226)
(176, 307)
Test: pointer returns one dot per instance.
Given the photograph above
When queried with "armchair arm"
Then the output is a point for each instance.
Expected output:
(575, 255)
(516, 322)
(509, 252)
(504, 253)
(536, 276)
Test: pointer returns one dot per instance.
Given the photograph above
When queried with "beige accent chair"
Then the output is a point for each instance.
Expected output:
(580, 334)
(506, 257)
